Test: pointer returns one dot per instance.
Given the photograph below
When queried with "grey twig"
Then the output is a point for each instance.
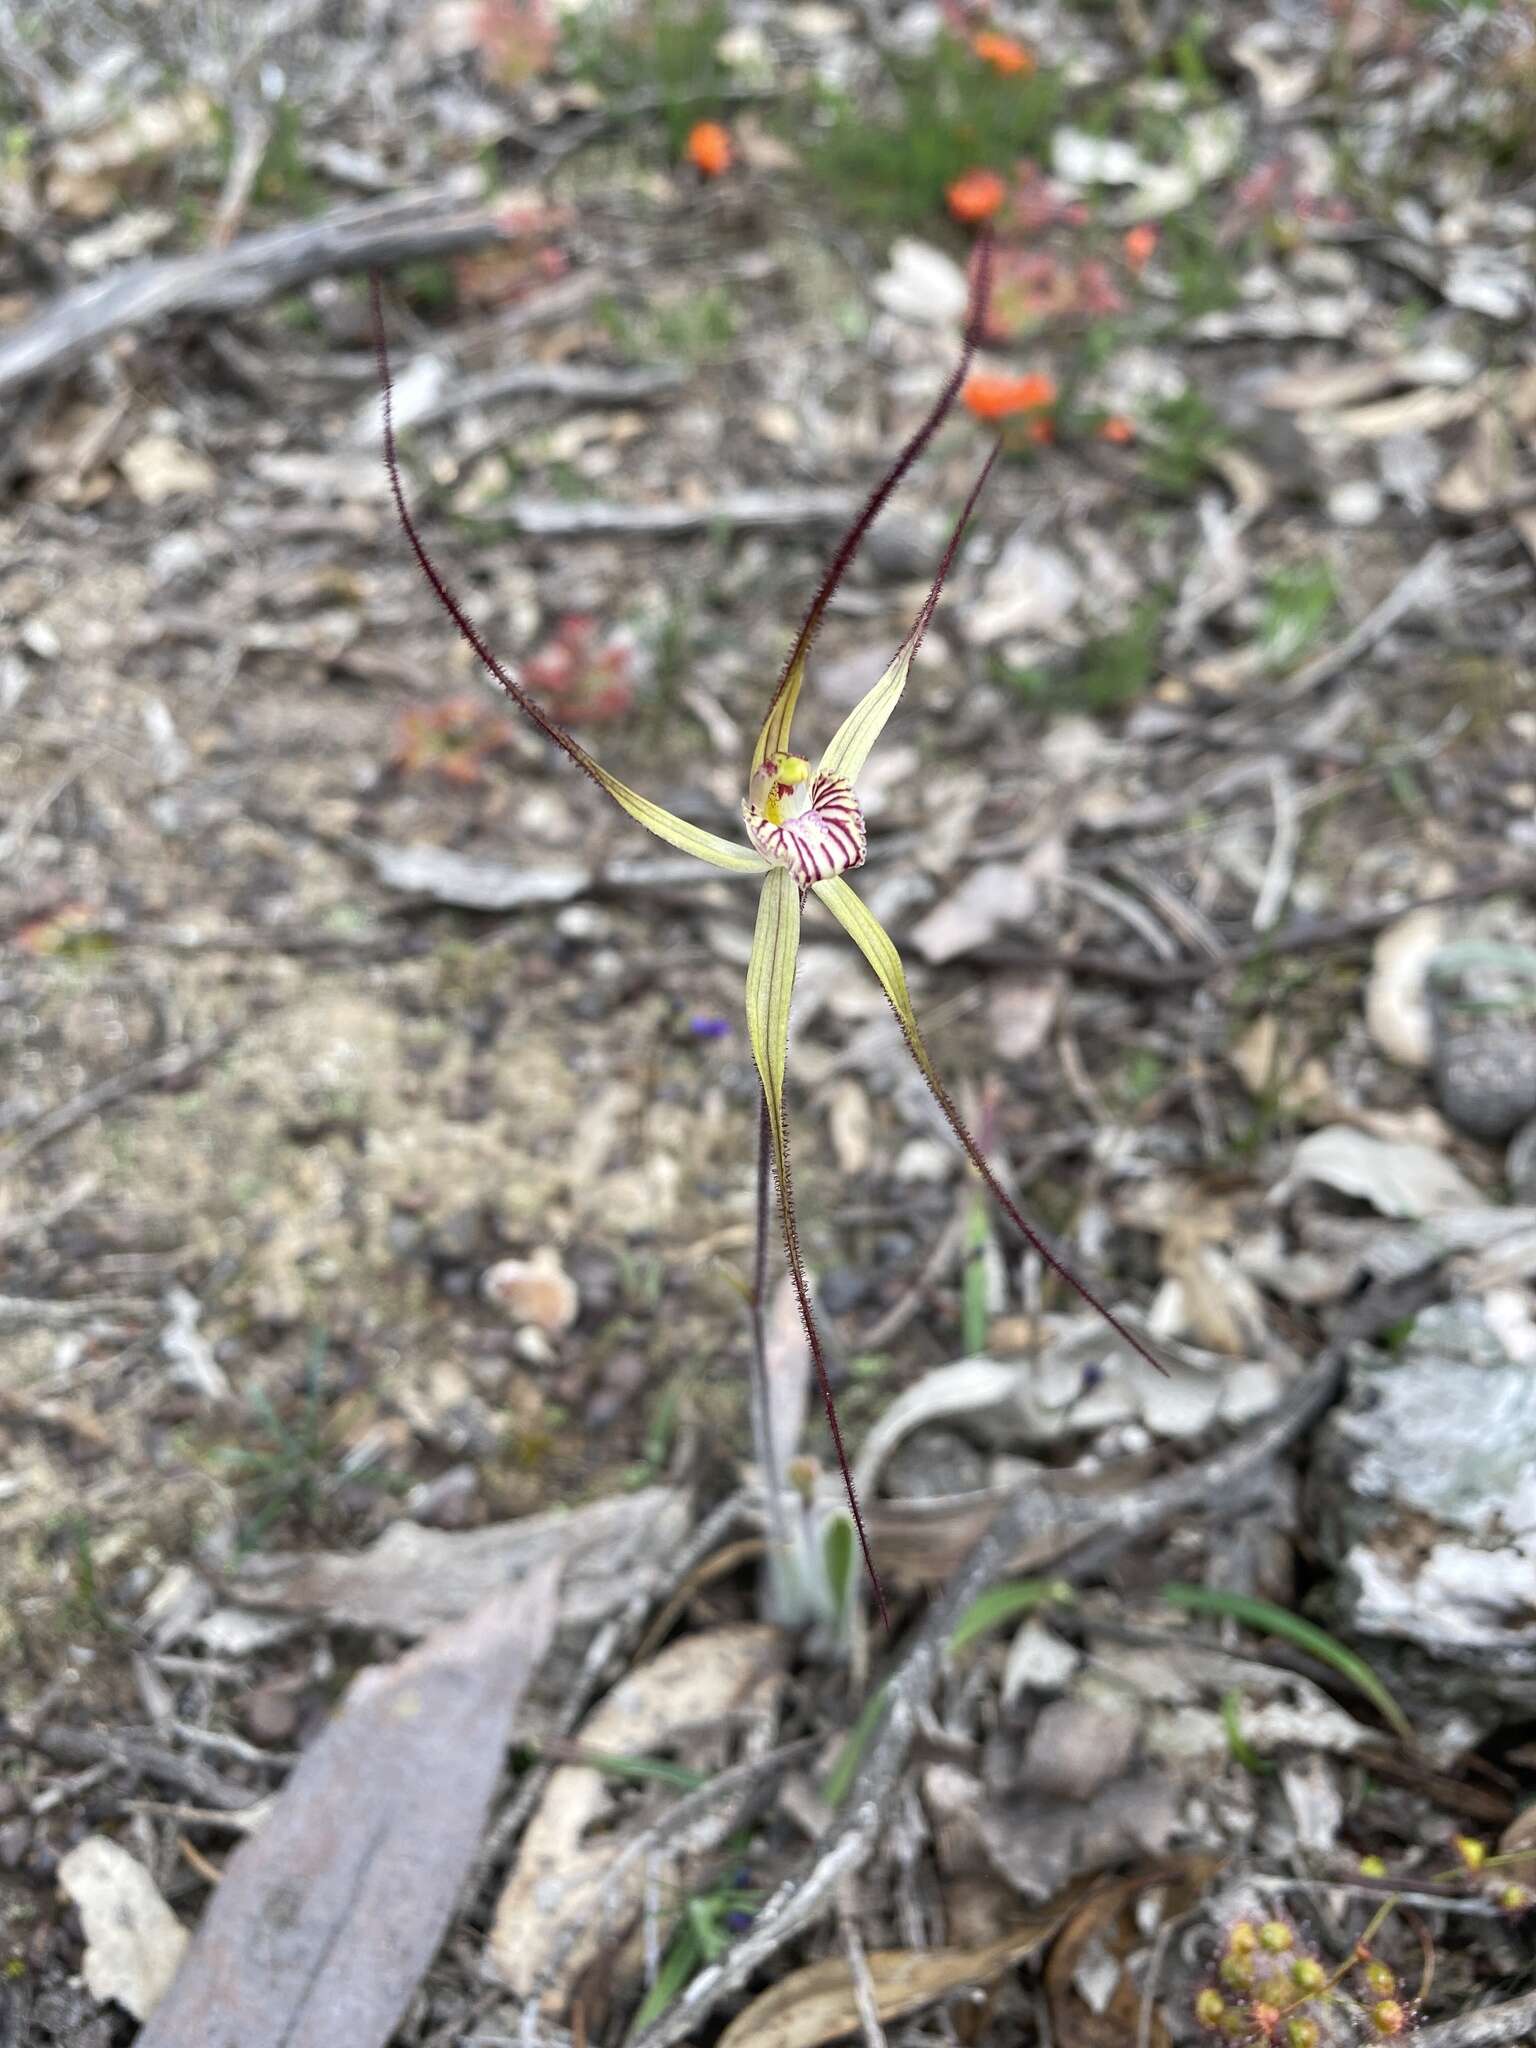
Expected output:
(578, 383)
(740, 1781)
(1485, 2028)
(171, 1065)
(554, 519)
(1306, 935)
(1030, 1518)
(377, 234)
(126, 1750)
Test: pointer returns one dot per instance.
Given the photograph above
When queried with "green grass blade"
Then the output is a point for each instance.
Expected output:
(1305, 1635)
(1243, 1751)
(652, 1769)
(679, 1966)
(838, 1780)
(1001, 1603)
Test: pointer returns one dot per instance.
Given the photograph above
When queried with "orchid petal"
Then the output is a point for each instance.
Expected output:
(770, 988)
(850, 745)
(875, 943)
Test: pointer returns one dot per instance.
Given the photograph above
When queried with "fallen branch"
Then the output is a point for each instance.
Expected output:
(554, 519)
(1032, 1517)
(378, 234)
(1306, 935)
(139, 1755)
(577, 383)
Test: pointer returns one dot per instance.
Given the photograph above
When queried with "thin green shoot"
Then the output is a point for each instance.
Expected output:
(1005, 1603)
(1302, 1635)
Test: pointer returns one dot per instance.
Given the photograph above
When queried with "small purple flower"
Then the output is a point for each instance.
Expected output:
(710, 1027)
(738, 1922)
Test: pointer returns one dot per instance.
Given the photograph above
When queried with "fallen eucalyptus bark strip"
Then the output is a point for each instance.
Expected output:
(325, 1920)
(555, 519)
(172, 1065)
(377, 234)
(1032, 1517)
(1426, 582)
(1486, 2028)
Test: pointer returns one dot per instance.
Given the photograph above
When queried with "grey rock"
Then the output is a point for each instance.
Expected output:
(1422, 1493)
(1485, 1078)
(1075, 1748)
(1520, 1163)
(933, 1463)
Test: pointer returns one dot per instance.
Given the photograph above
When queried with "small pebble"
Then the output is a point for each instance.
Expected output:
(269, 1713)
(535, 1290)
(1357, 503)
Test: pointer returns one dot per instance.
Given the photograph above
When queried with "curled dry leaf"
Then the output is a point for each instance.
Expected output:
(1397, 1012)
(553, 1917)
(817, 2004)
(1108, 1919)
(1396, 1179)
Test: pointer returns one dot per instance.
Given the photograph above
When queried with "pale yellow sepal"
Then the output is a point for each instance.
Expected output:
(770, 987)
(720, 853)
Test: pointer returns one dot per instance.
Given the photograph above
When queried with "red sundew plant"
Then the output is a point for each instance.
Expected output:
(516, 39)
(804, 833)
(585, 682)
(450, 740)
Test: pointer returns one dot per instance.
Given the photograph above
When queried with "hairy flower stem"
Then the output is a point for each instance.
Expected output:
(764, 1446)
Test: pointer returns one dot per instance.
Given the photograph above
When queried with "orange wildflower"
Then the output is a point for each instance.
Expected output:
(976, 196)
(1139, 244)
(709, 148)
(1116, 428)
(1003, 54)
(998, 398)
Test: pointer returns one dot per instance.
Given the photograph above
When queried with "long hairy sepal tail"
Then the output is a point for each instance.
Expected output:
(853, 539)
(440, 587)
(1004, 1201)
(798, 1280)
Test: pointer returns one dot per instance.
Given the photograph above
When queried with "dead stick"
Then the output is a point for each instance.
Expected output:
(1307, 935)
(375, 235)
(172, 1065)
(1030, 1517)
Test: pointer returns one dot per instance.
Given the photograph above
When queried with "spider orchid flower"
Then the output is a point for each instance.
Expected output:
(804, 833)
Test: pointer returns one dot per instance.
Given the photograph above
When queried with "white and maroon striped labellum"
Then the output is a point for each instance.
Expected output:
(811, 825)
